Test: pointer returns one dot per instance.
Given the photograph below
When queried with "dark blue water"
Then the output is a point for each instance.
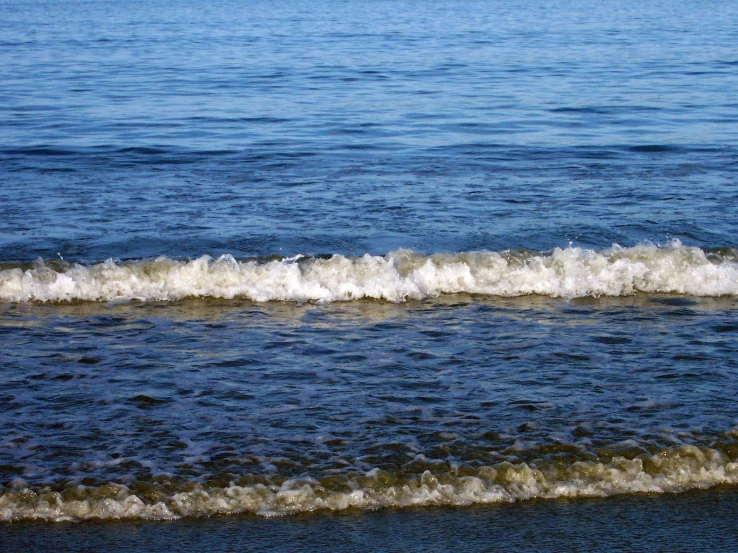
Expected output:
(286, 257)
(137, 129)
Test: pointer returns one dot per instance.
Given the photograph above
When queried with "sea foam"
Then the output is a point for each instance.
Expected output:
(398, 276)
(670, 471)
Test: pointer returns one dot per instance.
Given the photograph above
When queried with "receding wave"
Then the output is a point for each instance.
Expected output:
(670, 471)
(398, 276)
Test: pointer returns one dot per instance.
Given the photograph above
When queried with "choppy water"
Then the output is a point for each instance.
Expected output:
(277, 257)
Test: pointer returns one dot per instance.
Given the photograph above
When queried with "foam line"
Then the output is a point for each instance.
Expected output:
(669, 471)
(398, 276)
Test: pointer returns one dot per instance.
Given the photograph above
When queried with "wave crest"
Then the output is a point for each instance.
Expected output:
(398, 276)
(670, 471)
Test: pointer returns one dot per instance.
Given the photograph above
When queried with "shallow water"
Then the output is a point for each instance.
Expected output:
(673, 523)
(272, 258)
(208, 406)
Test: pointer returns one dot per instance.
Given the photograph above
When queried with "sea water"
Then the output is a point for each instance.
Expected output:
(277, 258)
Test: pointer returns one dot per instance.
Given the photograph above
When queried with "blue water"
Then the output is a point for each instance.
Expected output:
(139, 379)
(140, 129)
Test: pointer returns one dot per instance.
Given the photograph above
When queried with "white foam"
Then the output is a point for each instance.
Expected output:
(398, 276)
(671, 471)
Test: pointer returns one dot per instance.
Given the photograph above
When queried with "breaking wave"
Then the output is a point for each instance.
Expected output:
(670, 471)
(398, 276)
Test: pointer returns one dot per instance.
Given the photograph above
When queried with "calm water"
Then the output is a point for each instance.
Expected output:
(285, 257)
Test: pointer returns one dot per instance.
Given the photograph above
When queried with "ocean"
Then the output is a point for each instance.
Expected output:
(352, 275)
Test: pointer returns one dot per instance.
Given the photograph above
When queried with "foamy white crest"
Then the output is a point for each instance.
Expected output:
(400, 275)
(672, 471)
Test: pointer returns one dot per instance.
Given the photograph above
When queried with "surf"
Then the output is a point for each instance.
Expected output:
(401, 275)
(669, 471)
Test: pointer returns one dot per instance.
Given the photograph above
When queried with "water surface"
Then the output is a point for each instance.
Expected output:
(274, 258)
